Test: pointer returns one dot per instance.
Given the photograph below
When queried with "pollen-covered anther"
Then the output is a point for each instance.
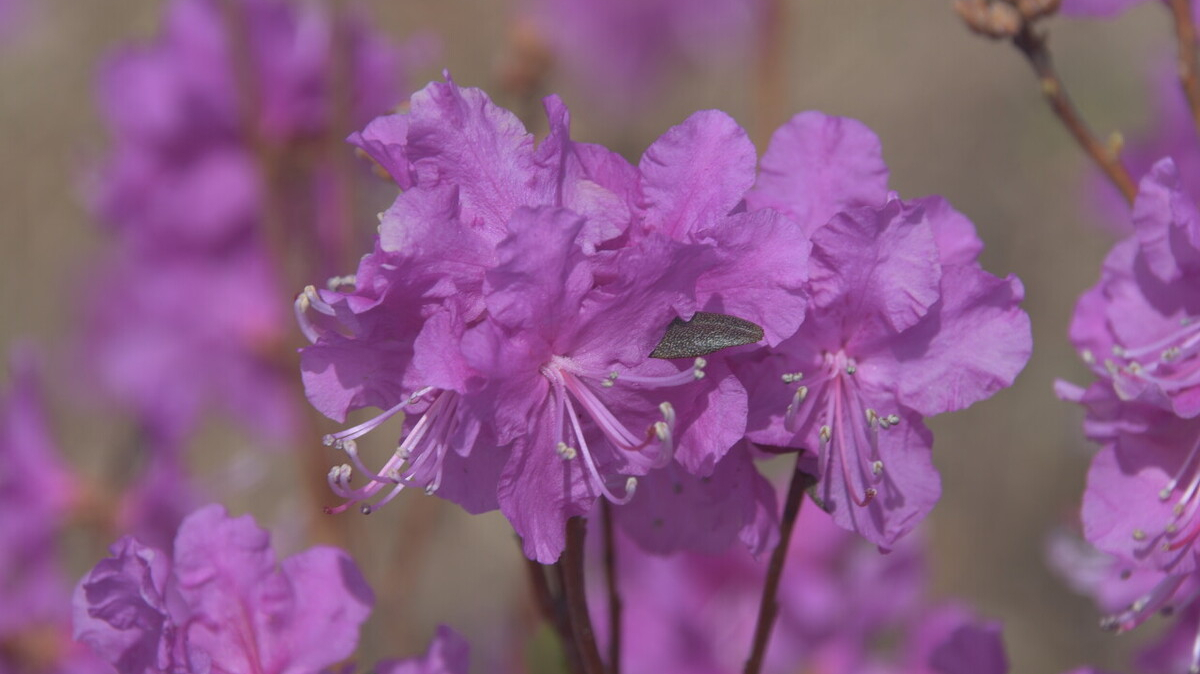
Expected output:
(792, 377)
(1171, 354)
(877, 468)
(872, 417)
(631, 484)
(337, 282)
(698, 368)
(826, 433)
(851, 367)
(566, 451)
(611, 379)
(1139, 535)
(1088, 357)
(893, 419)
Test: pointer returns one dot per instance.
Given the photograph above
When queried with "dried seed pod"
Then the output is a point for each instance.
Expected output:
(993, 19)
(705, 333)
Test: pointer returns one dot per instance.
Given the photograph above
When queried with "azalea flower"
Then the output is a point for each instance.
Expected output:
(510, 313)
(220, 602)
(902, 324)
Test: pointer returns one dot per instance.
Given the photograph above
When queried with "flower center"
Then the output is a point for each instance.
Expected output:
(830, 401)
(573, 386)
(1169, 363)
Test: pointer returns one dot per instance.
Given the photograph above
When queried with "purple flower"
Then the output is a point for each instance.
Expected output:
(695, 613)
(1105, 9)
(204, 119)
(447, 654)
(1136, 330)
(36, 490)
(902, 324)
(624, 48)
(221, 603)
(510, 312)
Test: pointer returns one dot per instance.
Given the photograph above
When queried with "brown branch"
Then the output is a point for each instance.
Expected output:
(768, 607)
(614, 592)
(1185, 35)
(575, 592)
(553, 609)
(1033, 46)
(770, 89)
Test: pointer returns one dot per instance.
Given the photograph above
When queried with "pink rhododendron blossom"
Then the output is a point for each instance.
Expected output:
(902, 324)
(839, 597)
(220, 602)
(625, 48)
(510, 312)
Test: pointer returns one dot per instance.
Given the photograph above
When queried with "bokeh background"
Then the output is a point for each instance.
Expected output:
(958, 115)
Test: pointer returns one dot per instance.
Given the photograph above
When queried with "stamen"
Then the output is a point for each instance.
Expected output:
(566, 451)
(301, 306)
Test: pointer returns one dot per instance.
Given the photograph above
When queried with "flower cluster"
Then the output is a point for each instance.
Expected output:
(223, 132)
(1137, 330)
(518, 292)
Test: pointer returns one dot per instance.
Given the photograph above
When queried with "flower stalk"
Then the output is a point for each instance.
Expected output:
(768, 607)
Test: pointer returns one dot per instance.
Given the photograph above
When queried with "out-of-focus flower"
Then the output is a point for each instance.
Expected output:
(221, 603)
(1136, 329)
(1120, 588)
(625, 48)
(448, 653)
(903, 324)
(1106, 8)
(218, 188)
(36, 491)
(839, 601)
(510, 313)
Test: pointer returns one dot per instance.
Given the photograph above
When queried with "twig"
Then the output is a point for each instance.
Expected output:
(768, 608)
(1185, 35)
(554, 610)
(770, 90)
(614, 592)
(1033, 46)
(575, 592)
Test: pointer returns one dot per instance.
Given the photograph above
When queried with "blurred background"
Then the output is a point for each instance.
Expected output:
(958, 115)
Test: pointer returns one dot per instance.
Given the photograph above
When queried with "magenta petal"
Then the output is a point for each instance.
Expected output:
(1123, 513)
(980, 342)
(818, 165)
(957, 241)
(384, 140)
(908, 490)
(675, 510)
(876, 262)
(762, 276)
(1166, 224)
(458, 137)
(448, 653)
(539, 491)
(695, 173)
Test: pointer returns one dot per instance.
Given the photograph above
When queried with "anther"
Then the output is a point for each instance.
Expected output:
(662, 431)
(792, 377)
(328, 440)
(877, 468)
(1171, 353)
(872, 417)
(826, 433)
(851, 368)
(630, 486)
(338, 281)
(1164, 493)
(1139, 535)
(1088, 356)
(565, 451)
(611, 379)
(365, 509)
(893, 419)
